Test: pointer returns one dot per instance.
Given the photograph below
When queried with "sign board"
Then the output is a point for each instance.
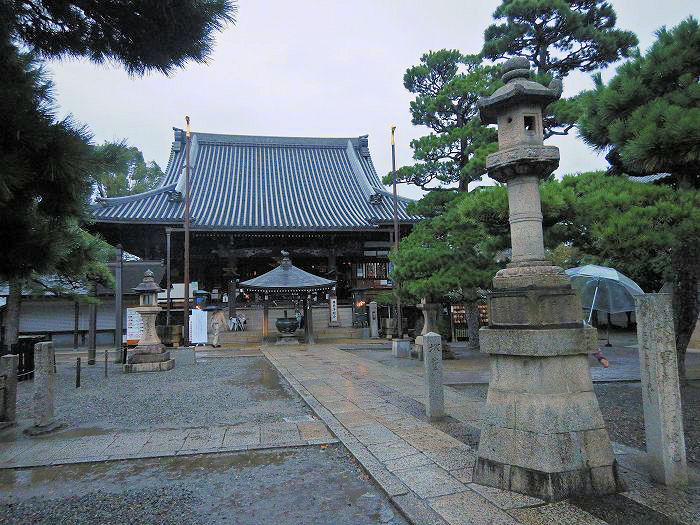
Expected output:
(134, 326)
(334, 309)
(198, 327)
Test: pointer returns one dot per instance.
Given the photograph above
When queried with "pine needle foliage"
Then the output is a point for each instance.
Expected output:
(447, 85)
(558, 36)
(648, 116)
(141, 35)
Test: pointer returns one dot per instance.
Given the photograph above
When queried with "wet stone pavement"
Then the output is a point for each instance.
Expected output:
(295, 485)
(376, 410)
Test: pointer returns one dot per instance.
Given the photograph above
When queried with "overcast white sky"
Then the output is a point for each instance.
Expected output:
(309, 68)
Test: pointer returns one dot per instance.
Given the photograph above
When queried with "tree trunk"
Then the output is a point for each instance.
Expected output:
(14, 300)
(471, 310)
(686, 266)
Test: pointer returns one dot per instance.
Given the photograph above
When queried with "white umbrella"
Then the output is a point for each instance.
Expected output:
(604, 289)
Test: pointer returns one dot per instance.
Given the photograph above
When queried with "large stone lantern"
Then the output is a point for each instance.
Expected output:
(542, 433)
(149, 355)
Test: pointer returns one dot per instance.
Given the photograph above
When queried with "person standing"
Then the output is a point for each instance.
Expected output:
(218, 322)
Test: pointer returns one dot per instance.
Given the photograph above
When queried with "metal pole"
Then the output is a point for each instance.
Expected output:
(595, 295)
(106, 361)
(396, 227)
(167, 274)
(118, 303)
(77, 372)
(76, 323)
(186, 307)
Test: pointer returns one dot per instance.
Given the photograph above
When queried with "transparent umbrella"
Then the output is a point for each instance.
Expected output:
(604, 289)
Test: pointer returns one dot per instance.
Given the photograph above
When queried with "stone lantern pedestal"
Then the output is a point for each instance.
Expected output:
(150, 354)
(542, 432)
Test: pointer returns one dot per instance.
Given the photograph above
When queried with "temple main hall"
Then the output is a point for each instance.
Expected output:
(320, 199)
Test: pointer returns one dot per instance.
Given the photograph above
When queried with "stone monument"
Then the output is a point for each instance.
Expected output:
(542, 432)
(432, 376)
(150, 354)
(661, 396)
(373, 320)
(44, 382)
(8, 390)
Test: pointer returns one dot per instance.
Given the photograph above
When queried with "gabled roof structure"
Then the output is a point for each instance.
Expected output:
(254, 183)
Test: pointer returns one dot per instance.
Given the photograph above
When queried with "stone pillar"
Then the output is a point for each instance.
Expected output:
(373, 320)
(663, 417)
(44, 381)
(266, 322)
(432, 375)
(309, 324)
(542, 431)
(8, 371)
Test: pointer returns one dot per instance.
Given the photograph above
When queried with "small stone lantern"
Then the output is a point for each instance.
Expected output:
(149, 355)
(542, 432)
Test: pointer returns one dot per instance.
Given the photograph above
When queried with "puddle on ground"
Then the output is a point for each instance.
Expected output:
(261, 373)
(116, 472)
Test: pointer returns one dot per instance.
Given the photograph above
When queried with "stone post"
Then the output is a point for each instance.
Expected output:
(542, 432)
(265, 321)
(373, 320)
(8, 370)
(663, 418)
(432, 375)
(44, 381)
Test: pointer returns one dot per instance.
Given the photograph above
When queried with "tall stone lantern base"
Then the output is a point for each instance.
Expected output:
(542, 432)
(150, 354)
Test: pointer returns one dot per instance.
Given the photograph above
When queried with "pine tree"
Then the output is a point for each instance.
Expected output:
(126, 173)
(558, 36)
(445, 258)
(447, 85)
(640, 229)
(648, 119)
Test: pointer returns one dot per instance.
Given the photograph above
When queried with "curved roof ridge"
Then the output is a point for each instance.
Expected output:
(136, 196)
(222, 138)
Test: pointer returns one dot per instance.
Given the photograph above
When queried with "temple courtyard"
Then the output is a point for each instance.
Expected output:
(327, 433)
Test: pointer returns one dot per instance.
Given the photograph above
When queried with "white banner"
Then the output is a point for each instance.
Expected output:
(198, 327)
(134, 326)
(334, 309)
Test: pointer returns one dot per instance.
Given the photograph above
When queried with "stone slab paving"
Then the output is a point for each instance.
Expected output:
(426, 472)
(162, 443)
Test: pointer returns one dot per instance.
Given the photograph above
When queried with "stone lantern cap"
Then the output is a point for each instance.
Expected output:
(148, 284)
(518, 89)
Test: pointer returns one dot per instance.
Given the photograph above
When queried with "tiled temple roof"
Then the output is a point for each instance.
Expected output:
(254, 183)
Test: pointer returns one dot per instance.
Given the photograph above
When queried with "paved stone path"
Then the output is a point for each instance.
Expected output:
(426, 472)
(294, 432)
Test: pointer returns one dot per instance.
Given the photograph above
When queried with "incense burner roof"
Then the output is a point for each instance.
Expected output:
(287, 278)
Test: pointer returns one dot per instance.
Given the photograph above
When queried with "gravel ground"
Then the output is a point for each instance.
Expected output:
(214, 391)
(304, 485)
(621, 405)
